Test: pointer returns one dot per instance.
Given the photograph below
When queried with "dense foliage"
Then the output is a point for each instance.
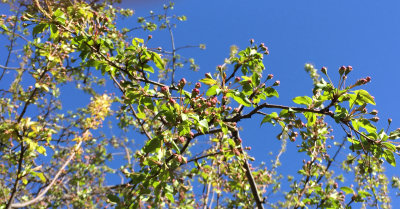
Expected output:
(54, 155)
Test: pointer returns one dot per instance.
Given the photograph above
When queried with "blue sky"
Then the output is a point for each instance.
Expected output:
(364, 34)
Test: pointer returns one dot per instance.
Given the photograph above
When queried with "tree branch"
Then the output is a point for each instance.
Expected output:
(43, 193)
(249, 175)
(132, 109)
(15, 187)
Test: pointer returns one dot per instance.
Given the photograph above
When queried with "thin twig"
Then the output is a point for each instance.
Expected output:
(11, 44)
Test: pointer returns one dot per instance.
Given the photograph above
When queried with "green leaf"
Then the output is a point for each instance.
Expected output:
(141, 115)
(152, 145)
(311, 118)
(389, 146)
(59, 16)
(347, 190)
(39, 28)
(195, 117)
(170, 197)
(41, 177)
(148, 68)
(303, 100)
(240, 98)
(364, 96)
(53, 31)
(255, 79)
(204, 124)
(213, 90)
(388, 155)
(136, 41)
(269, 118)
(224, 128)
(394, 134)
(364, 194)
(364, 124)
(271, 92)
(208, 81)
(113, 198)
(41, 150)
(137, 177)
(176, 148)
(158, 61)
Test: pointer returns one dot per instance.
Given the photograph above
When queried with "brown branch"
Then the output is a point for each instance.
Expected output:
(265, 105)
(305, 184)
(201, 157)
(132, 109)
(207, 195)
(331, 160)
(237, 66)
(16, 183)
(249, 175)
(171, 34)
(44, 191)
(11, 44)
(9, 68)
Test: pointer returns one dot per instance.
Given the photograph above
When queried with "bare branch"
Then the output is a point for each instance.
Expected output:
(250, 178)
(43, 193)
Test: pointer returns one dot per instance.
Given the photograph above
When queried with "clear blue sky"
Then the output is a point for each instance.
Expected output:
(362, 33)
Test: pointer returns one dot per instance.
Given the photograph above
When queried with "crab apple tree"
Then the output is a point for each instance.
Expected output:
(94, 116)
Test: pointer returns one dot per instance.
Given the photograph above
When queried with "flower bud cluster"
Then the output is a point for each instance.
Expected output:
(264, 48)
(363, 81)
(182, 83)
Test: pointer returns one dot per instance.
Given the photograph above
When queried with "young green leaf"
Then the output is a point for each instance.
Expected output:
(303, 100)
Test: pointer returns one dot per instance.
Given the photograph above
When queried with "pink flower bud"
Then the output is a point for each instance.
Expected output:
(208, 75)
(324, 70)
(198, 85)
(237, 79)
(172, 101)
(251, 41)
(181, 139)
(182, 82)
(266, 51)
(149, 37)
(277, 83)
(374, 119)
(214, 100)
(164, 89)
(195, 92)
(348, 69)
(341, 70)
